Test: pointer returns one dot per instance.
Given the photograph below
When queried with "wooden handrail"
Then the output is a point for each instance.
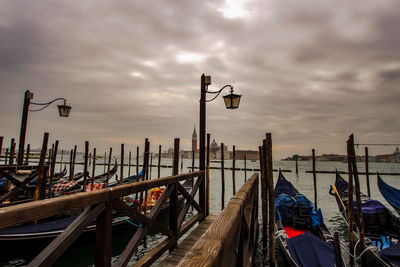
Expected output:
(230, 240)
(26, 212)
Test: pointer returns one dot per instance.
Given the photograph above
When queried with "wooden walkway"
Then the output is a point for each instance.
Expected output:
(175, 257)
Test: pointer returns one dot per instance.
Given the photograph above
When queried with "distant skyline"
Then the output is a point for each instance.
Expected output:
(311, 73)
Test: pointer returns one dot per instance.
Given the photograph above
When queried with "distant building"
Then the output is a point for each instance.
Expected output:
(194, 140)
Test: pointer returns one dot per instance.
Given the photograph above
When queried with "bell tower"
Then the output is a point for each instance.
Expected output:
(194, 140)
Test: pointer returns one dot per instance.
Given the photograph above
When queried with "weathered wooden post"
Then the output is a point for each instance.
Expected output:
(151, 164)
(6, 157)
(105, 162)
(297, 164)
(173, 208)
(233, 170)
(337, 250)
(41, 167)
(73, 160)
(264, 194)
(90, 159)
(367, 172)
(1, 144)
(350, 207)
(85, 166)
(121, 178)
(222, 177)
(193, 160)
(314, 179)
(207, 175)
(271, 199)
(28, 150)
(52, 168)
(145, 170)
(129, 164)
(93, 168)
(109, 165)
(159, 162)
(61, 160)
(245, 167)
(137, 171)
(71, 175)
(181, 163)
(12, 152)
(358, 193)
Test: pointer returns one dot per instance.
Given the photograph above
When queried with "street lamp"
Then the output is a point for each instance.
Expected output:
(231, 102)
(63, 111)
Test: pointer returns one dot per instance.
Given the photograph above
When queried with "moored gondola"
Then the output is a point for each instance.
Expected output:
(382, 228)
(391, 194)
(301, 233)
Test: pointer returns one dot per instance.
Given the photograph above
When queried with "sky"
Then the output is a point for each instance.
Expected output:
(310, 72)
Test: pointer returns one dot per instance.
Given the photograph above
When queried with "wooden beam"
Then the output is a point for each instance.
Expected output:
(59, 245)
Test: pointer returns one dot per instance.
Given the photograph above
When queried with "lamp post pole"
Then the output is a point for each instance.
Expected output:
(27, 100)
(202, 189)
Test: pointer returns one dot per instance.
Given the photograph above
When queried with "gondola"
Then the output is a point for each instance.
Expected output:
(301, 233)
(391, 194)
(67, 187)
(381, 227)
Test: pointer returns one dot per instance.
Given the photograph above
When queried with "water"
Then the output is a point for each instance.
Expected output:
(82, 255)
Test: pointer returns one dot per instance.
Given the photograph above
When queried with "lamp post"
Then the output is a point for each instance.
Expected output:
(231, 102)
(63, 111)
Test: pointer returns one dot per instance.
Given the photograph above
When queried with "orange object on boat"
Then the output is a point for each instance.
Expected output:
(152, 197)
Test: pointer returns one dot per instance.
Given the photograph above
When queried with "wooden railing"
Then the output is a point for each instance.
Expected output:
(99, 206)
(231, 239)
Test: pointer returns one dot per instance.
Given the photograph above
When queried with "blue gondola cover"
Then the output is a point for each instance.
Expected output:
(309, 250)
(391, 254)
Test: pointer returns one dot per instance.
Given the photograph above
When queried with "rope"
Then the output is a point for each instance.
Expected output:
(129, 221)
(280, 233)
(362, 253)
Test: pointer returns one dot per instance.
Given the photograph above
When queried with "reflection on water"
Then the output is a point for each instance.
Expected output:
(81, 254)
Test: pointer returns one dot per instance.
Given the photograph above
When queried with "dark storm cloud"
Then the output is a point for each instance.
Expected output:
(311, 73)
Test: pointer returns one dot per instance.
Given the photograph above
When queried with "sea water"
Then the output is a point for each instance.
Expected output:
(83, 254)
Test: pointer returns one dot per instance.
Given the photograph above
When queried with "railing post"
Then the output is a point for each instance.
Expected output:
(173, 207)
(104, 236)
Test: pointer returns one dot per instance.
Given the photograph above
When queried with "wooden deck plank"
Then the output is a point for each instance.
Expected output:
(174, 258)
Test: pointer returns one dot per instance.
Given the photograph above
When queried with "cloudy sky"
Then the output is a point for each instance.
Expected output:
(310, 72)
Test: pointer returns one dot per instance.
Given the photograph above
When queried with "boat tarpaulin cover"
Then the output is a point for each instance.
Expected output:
(308, 250)
(391, 254)
(54, 225)
(391, 194)
(283, 186)
(370, 206)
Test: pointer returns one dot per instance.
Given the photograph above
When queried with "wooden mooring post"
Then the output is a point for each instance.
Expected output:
(52, 168)
(1, 144)
(245, 167)
(85, 166)
(233, 170)
(367, 172)
(350, 211)
(314, 180)
(129, 164)
(352, 158)
(159, 162)
(41, 171)
(271, 199)
(93, 169)
(28, 150)
(73, 161)
(121, 178)
(207, 175)
(109, 165)
(12, 152)
(264, 194)
(222, 178)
